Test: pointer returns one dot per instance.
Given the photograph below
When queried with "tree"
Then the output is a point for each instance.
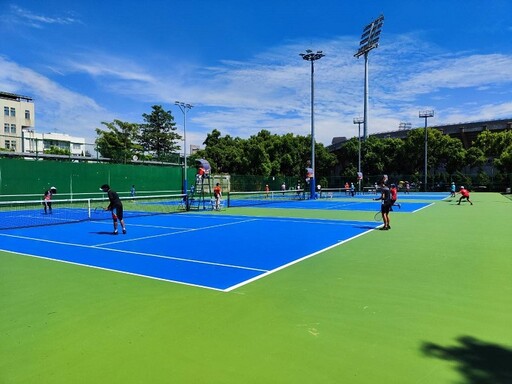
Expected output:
(265, 154)
(443, 152)
(157, 134)
(475, 157)
(118, 142)
(504, 162)
(54, 150)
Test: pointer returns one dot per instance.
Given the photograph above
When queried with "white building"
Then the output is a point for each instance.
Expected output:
(18, 114)
(33, 142)
(19, 134)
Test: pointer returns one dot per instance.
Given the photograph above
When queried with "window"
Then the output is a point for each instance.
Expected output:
(6, 128)
(6, 111)
(13, 112)
(13, 128)
(27, 114)
(10, 144)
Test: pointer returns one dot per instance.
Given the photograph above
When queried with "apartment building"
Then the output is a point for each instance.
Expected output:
(19, 134)
(18, 114)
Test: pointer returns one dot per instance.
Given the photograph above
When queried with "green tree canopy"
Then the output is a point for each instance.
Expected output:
(265, 154)
(118, 141)
(158, 134)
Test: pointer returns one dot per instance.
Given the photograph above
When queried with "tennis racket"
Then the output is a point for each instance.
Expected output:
(378, 216)
(97, 211)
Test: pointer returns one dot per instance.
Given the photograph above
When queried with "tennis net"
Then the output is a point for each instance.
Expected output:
(20, 214)
(247, 199)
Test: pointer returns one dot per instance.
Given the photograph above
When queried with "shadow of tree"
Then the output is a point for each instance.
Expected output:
(478, 362)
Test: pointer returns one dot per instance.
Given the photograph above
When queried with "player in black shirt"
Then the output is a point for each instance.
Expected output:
(386, 204)
(115, 206)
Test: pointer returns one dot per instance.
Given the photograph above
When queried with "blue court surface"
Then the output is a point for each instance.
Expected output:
(219, 252)
(349, 204)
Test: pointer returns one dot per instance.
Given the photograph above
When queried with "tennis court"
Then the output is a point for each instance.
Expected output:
(329, 201)
(426, 302)
(190, 249)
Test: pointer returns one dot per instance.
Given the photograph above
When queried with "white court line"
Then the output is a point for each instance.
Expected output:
(265, 272)
(176, 233)
(115, 270)
(317, 221)
(140, 225)
(132, 253)
(293, 262)
(426, 206)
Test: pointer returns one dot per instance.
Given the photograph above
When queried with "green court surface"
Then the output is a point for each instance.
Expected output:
(429, 301)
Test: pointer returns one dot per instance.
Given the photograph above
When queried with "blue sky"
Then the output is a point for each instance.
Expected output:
(238, 63)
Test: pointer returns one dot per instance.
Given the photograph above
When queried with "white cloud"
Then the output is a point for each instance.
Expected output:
(57, 108)
(272, 90)
(28, 18)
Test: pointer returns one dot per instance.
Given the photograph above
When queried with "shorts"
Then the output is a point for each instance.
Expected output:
(118, 211)
(385, 207)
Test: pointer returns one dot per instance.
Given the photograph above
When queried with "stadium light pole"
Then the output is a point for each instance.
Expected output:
(185, 107)
(425, 115)
(403, 126)
(312, 57)
(369, 40)
(359, 121)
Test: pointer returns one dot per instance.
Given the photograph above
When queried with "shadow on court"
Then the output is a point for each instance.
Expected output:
(477, 361)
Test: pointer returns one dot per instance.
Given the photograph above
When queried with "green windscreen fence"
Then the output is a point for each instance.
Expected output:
(82, 180)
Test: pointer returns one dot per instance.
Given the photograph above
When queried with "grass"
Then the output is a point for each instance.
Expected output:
(427, 302)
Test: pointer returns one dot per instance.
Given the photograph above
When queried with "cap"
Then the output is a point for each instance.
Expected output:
(104, 187)
(461, 187)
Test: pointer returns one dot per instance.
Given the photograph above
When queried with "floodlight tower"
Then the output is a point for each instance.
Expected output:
(312, 57)
(425, 115)
(359, 121)
(369, 40)
(403, 126)
(185, 107)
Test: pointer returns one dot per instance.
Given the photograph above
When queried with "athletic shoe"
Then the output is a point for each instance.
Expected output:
(115, 232)
(124, 231)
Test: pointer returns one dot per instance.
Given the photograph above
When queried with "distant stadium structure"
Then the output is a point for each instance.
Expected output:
(466, 132)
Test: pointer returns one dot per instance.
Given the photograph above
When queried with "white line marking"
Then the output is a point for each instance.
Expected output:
(135, 253)
(426, 206)
(293, 262)
(175, 233)
(114, 270)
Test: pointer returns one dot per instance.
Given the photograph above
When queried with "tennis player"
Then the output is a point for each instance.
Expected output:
(217, 194)
(47, 199)
(385, 197)
(394, 196)
(464, 195)
(115, 206)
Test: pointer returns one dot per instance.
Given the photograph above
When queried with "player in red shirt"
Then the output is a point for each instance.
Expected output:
(217, 194)
(464, 195)
(394, 196)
